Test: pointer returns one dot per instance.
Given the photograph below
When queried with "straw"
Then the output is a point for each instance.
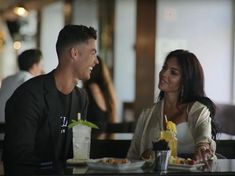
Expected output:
(165, 118)
(79, 116)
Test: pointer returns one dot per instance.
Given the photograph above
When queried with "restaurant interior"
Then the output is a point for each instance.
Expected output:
(134, 36)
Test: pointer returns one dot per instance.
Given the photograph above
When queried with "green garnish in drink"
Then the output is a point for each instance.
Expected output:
(82, 122)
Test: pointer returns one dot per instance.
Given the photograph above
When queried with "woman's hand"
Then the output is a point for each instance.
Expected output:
(203, 153)
(146, 155)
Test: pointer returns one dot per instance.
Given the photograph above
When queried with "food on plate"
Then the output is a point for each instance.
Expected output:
(114, 161)
(179, 160)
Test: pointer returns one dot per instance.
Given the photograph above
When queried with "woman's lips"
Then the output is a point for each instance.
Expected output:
(162, 81)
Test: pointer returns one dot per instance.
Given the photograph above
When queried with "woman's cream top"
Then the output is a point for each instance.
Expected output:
(185, 143)
(150, 124)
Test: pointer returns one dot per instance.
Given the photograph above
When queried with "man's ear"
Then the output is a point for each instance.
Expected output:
(73, 52)
(34, 69)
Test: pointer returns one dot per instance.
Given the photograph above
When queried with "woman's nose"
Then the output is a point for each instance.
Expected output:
(96, 60)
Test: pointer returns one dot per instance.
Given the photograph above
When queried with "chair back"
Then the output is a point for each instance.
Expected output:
(109, 148)
(122, 127)
(225, 118)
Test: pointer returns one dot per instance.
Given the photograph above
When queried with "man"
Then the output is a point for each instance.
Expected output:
(39, 111)
(30, 65)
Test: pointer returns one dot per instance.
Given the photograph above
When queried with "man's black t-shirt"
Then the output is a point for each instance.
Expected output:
(65, 106)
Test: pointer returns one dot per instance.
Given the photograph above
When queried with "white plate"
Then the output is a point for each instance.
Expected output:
(188, 167)
(97, 164)
(77, 161)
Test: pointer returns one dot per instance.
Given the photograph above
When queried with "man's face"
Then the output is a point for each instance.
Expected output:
(86, 59)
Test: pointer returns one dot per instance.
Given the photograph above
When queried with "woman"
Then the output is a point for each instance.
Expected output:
(182, 100)
(102, 97)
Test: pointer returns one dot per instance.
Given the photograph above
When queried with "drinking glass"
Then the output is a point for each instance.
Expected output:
(81, 142)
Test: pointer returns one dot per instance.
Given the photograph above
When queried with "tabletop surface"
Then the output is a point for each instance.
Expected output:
(219, 167)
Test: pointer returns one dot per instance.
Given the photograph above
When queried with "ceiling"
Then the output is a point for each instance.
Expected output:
(6, 6)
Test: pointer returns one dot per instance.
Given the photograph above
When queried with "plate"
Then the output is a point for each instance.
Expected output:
(77, 161)
(99, 165)
(188, 167)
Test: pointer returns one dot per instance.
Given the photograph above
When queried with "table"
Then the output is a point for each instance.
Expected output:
(221, 167)
(218, 167)
(115, 136)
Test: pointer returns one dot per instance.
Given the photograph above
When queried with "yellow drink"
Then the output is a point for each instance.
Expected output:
(170, 137)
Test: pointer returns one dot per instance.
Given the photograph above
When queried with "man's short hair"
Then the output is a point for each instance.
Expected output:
(74, 34)
(29, 57)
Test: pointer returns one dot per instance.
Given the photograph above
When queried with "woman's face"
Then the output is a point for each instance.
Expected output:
(170, 77)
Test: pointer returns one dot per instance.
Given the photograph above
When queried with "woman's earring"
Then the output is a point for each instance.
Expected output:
(182, 92)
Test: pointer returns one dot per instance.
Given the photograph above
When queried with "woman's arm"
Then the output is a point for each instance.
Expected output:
(134, 150)
(200, 125)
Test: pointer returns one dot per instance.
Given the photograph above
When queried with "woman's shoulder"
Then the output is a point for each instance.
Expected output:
(94, 87)
(197, 107)
(153, 106)
(149, 111)
(95, 90)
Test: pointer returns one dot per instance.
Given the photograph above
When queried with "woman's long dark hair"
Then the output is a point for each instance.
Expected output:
(101, 76)
(192, 88)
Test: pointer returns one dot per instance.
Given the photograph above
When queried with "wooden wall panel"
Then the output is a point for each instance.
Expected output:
(145, 54)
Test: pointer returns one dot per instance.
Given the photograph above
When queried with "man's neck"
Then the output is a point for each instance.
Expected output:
(64, 81)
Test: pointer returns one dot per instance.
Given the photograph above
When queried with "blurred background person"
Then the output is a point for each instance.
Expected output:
(30, 65)
(102, 108)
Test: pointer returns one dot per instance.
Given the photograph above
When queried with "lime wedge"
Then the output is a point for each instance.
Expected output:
(82, 122)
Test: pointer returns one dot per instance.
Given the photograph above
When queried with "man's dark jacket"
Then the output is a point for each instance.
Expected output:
(32, 124)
